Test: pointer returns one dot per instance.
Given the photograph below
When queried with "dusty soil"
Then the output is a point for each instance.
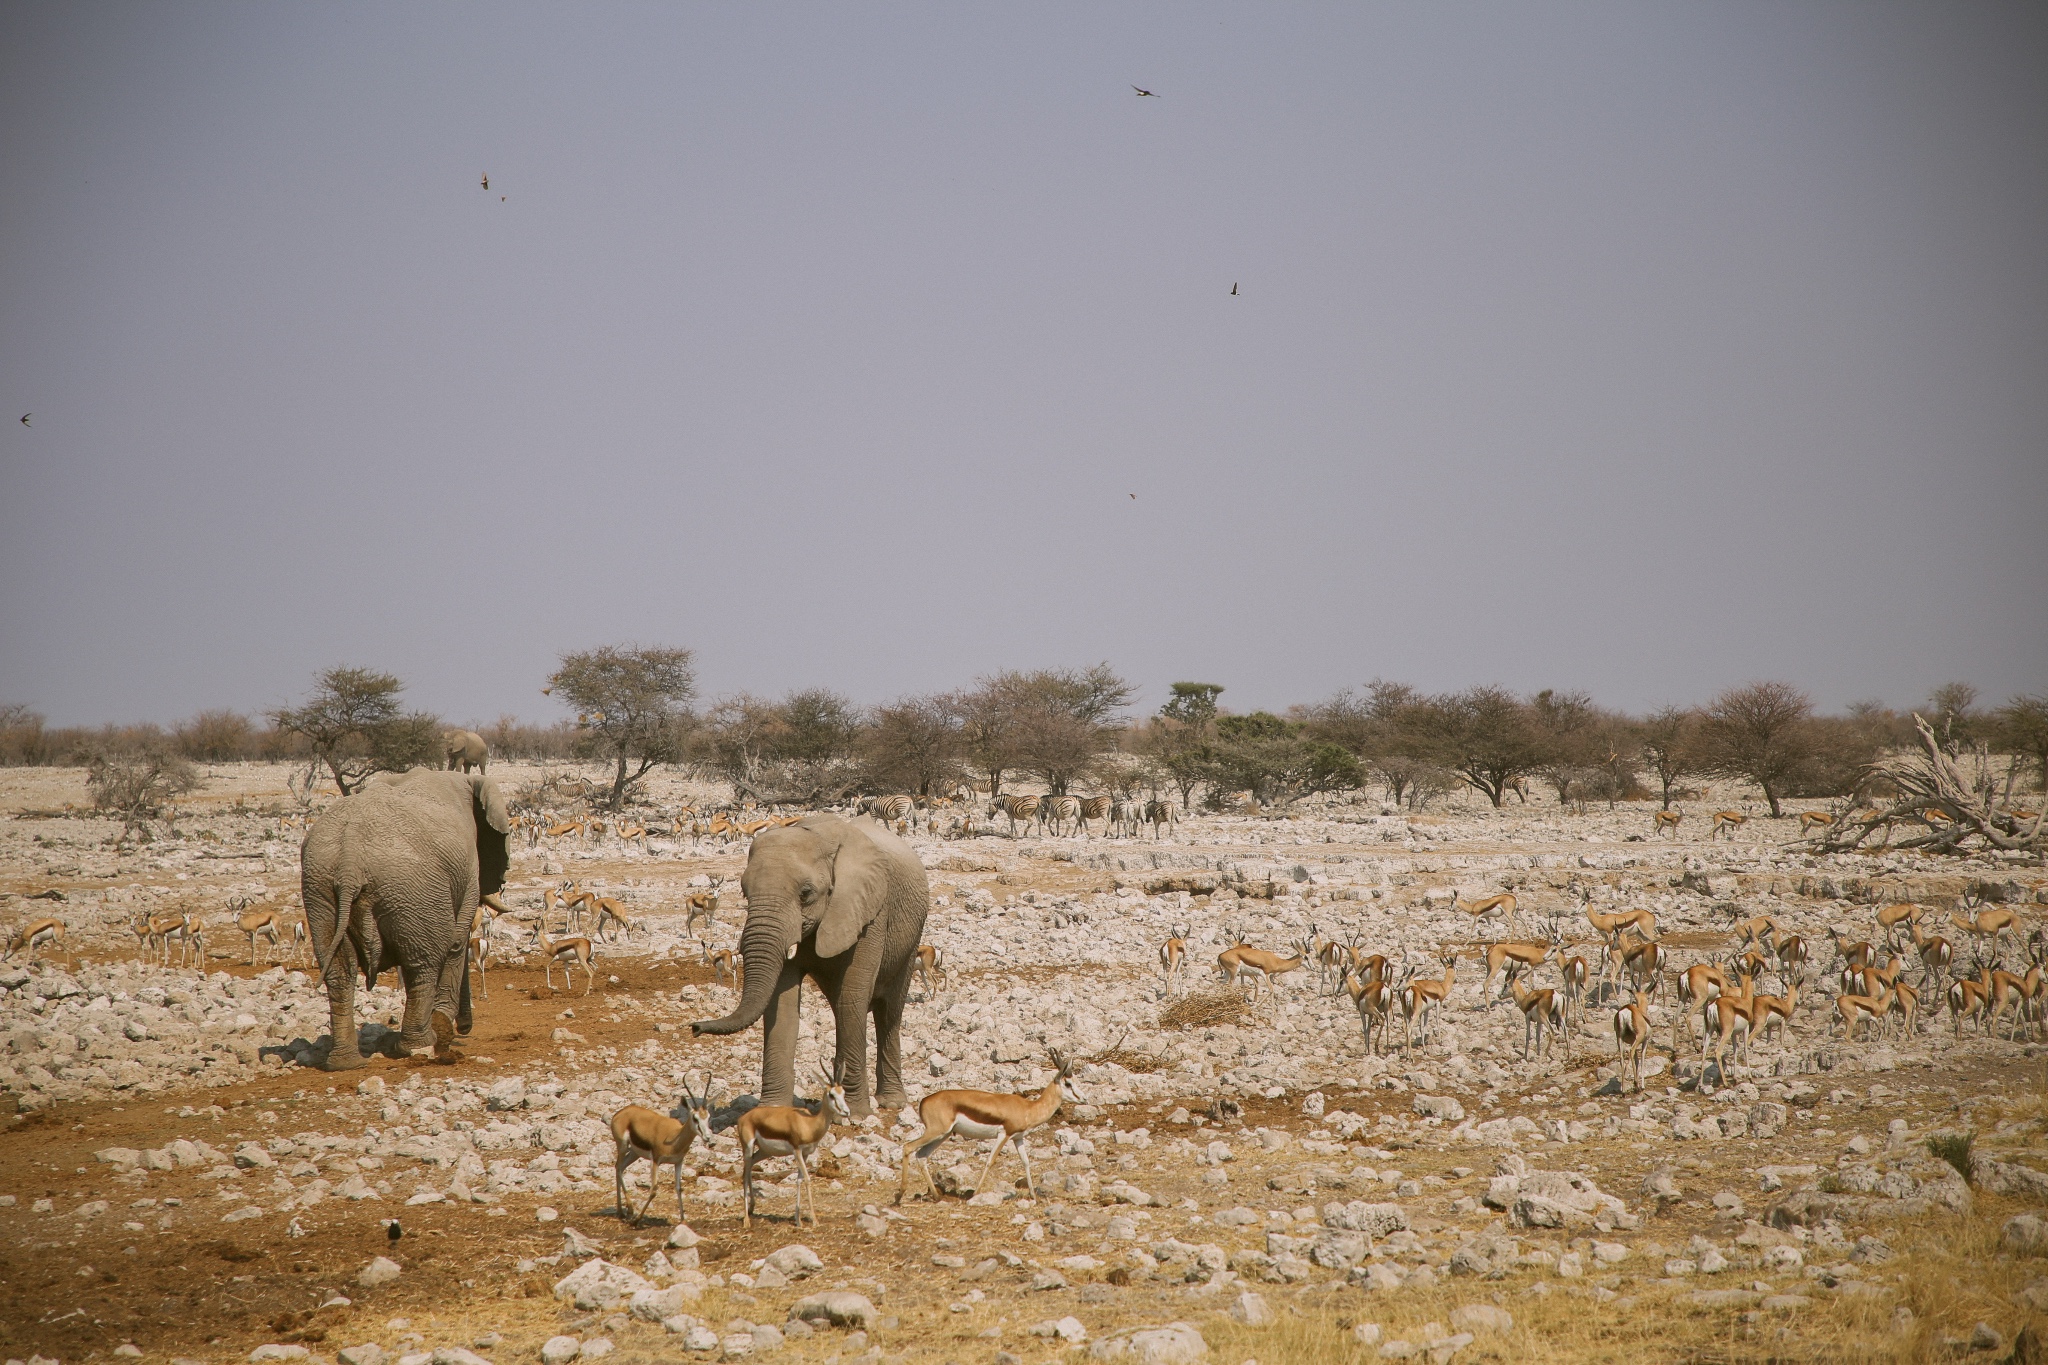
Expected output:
(1789, 1204)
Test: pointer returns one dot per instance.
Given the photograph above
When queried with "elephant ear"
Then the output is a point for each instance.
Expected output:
(490, 803)
(493, 849)
(859, 885)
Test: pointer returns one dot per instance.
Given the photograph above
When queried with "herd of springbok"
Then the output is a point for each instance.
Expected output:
(1627, 967)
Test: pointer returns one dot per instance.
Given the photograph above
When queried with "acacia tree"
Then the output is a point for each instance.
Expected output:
(1276, 760)
(1670, 739)
(355, 727)
(631, 705)
(911, 745)
(1759, 733)
(1181, 734)
(1485, 736)
(1055, 723)
(2022, 728)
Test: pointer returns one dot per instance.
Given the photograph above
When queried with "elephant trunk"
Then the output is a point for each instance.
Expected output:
(764, 945)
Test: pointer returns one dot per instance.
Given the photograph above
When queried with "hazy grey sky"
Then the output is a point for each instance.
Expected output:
(1646, 349)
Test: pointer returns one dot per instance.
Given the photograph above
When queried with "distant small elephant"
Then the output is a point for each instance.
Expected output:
(391, 877)
(466, 747)
(842, 902)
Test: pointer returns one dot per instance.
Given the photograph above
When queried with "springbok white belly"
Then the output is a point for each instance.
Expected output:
(968, 1128)
(767, 1146)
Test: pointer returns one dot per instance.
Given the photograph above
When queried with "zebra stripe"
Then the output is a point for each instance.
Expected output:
(1054, 812)
(1016, 807)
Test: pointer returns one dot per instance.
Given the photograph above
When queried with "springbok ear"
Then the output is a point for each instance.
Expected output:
(859, 882)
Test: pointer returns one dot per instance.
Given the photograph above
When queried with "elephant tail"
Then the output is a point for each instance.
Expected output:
(344, 907)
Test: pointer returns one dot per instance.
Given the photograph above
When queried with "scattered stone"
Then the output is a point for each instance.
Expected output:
(2024, 1232)
(795, 1260)
(559, 1350)
(1482, 1318)
(382, 1270)
(1177, 1343)
(1251, 1310)
(1064, 1329)
(839, 1307)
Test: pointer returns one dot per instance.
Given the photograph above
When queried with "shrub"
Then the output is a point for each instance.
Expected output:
(218, 737)
(138, 786)
(1954, 1148)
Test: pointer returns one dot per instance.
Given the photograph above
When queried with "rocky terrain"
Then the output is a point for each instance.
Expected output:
(1240, 1182)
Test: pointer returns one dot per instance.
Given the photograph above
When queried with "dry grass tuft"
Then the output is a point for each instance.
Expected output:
(1208, 1009)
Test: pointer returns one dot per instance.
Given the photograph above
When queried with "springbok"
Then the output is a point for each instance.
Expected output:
(978, 1114)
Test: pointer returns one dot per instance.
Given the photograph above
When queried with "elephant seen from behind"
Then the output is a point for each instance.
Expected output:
(391, 877)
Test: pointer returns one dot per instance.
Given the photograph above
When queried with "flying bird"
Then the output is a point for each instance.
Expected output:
(487, 179)
(1143, 93)
(501, 198)
(25, 416)
(1233, 289)
(1134, 497)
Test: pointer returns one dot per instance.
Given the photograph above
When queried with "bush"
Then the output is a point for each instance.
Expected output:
(218, 737)
(138, 786)
(22, 743)
(1954, 1148)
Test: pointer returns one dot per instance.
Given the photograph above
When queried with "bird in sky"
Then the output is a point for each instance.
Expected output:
(1134, 497)
(25, 416)
(1143, 93)
(487, 179)
(501, 198)
(1233, 289)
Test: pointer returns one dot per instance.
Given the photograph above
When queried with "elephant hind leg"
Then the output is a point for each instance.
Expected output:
(444, 1035)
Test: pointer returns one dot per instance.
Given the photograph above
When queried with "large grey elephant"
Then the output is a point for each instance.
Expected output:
(466, 748)
(391, 877)
(843, 903)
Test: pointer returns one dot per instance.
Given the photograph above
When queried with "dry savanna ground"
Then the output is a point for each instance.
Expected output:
(1240, 1182)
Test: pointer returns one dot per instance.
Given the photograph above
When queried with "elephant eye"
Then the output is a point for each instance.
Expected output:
(807, 893)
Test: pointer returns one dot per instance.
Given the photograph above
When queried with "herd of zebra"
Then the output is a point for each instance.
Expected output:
(1057, 814)
(949, 817)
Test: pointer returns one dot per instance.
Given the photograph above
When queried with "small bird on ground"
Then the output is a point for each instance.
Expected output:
(1233, 289)
(25, 416)
(393, 1232)
(487, 179)
(1143, 93)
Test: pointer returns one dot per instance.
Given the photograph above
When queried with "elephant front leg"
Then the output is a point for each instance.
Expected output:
(852, 1069)
(889, 1091)
(778, 1039)
(342, 1053)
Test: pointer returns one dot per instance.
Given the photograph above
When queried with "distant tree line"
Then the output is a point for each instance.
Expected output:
(635, 709)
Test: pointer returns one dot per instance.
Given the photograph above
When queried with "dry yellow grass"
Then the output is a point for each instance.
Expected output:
(1205, 1009)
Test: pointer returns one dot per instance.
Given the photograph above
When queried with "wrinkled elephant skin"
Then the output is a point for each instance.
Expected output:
(843, 903)
(391, 878)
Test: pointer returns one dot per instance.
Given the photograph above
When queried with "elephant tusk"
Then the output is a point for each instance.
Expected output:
(790, 956)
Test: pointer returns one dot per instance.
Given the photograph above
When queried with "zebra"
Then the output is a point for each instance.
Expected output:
(1094, 808)
(1055, 812)
(891, 810)
(1125, 817)
(1016, 807)
(1160, 815)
